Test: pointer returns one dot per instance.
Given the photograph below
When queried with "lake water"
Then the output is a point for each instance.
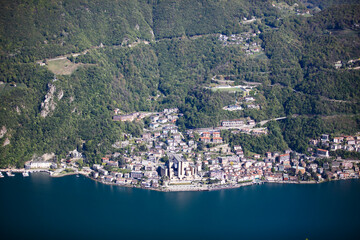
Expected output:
(41, 207)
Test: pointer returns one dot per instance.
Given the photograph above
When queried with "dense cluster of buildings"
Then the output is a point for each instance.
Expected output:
(346, 143)
(173, 160)
(248, 40)
(229, 168)
(211, 137)
(170, 160)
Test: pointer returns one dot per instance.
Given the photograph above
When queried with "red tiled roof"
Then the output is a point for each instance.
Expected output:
(322, 150)
(283, 155)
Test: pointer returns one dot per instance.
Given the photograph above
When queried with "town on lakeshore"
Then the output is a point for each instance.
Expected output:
(166, 159)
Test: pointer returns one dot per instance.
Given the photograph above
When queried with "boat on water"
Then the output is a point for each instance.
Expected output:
(1, 175)
(10, 174)
(25, 174)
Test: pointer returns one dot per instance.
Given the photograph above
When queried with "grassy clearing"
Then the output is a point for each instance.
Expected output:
(260, 55)
(227, 89)
(62, 66)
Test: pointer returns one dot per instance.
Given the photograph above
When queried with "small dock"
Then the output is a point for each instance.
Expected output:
(10, 174)
(25, 174)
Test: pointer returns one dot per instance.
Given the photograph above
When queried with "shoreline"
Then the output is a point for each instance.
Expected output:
(174, 188)
(212, 188)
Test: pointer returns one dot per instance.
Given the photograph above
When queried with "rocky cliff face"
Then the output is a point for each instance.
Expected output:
(3, 131)
(49, 104)
(6, 142)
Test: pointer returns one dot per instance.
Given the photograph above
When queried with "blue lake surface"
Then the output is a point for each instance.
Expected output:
(41, 207)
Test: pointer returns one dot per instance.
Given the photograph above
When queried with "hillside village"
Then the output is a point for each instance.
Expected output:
(345, 142)
(249, 41)
(165, 159)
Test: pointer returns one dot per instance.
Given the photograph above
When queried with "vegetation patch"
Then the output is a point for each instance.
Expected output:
(62, 66)
(229, 89)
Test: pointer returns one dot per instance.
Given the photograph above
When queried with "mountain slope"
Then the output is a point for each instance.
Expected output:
(172, 64)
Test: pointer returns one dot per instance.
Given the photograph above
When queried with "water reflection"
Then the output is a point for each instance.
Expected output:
(181, 200)
(40, 179)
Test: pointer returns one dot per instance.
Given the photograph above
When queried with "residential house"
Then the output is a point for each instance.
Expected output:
(103, 172)
(299, 169)
(335, 147)
(206, 134)
(162, 120)
(324, 138)
(154, 118)
(146, 136)
(313, 142)
(108, 178)
(217, 140)
(284, 157)
(136, 174)
(120, 181)
(338, 139)
(216, 134)
(205, 139)
(322, 153)
(113, 163)
(350, 140)
(238, 147)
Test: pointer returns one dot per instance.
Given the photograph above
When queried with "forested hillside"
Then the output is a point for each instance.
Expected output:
(147, 55)
(35, 29)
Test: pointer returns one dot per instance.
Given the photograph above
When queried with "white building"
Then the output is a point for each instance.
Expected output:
(233, 123)
(41, 164)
